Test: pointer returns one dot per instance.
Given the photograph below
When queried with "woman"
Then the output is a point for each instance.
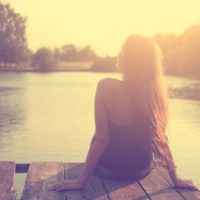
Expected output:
(131, 119)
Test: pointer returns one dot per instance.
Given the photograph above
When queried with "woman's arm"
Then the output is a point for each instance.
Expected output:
(98, 143)
(178, 182)
(100, 139)
(97, 148)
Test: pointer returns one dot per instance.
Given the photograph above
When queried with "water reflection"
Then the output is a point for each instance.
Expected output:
(50, 117)
(184, 136)
(12, 114)
(191, 92)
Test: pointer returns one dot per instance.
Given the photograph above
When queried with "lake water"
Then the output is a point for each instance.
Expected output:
(49, 117)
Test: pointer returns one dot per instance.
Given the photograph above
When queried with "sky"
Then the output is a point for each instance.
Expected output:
(102, 24)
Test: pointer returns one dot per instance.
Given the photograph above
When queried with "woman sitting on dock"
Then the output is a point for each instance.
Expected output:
(131, 117)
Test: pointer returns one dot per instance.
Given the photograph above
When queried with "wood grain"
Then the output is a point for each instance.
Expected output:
(124, 190)
(93, 190)
(187, 194)
(7, 172)
(40, 177)
(158, 188)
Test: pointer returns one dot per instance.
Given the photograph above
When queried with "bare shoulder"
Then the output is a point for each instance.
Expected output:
(108, 83)
(107, 88)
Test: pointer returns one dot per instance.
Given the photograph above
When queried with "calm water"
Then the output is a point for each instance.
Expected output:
(49, 117)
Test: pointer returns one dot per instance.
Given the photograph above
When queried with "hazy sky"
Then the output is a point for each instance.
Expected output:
(102, 24)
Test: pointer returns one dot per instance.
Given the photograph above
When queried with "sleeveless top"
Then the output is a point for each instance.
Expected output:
(128, 152)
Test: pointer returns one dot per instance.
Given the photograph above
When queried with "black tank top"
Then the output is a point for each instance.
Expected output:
(128, 150)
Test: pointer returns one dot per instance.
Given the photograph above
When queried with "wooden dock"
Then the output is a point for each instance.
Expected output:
(155, 186)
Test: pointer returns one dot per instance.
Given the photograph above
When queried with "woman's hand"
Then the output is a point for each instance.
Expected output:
(67, 185)
(185, 184)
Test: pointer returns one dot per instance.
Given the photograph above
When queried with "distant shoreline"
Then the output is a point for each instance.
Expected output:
(17, 70)
(72, 67)
(191, 92)
(55, 70)
(43, 71)
(69, 66)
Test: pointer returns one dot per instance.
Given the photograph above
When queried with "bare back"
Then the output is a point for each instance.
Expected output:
(129, 153)
(118, 102)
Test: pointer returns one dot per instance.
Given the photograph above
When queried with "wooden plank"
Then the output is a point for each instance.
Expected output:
(124, 190)
(7, 172)
(40, 177)
(92, 190)
(158, 188)
(22, 168)
(187, 194)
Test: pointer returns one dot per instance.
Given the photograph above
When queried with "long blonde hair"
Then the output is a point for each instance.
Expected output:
(141, 63)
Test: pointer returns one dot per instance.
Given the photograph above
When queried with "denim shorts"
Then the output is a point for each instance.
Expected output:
(122, 174)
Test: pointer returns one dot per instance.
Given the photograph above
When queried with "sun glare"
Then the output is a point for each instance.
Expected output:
(102, 24)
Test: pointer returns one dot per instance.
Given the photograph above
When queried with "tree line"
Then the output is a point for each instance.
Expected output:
(181, 52)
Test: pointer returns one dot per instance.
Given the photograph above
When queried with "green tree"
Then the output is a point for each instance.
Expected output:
(13, 43)
(190, 51)
(86, 53)
(170, 45)
(181, 52)
(57, 54)
(44, 60)
(105, 64)
(68, 52)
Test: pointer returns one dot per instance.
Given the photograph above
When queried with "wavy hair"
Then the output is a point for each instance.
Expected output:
(141, 63)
